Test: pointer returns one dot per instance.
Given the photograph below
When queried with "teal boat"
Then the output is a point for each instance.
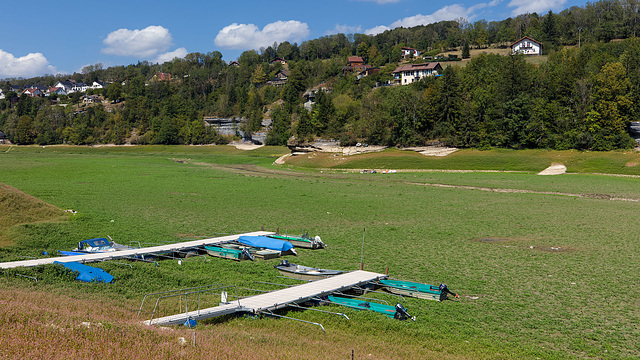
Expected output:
(395, 312)
(233, 254)
(302, 241)
(417, 290)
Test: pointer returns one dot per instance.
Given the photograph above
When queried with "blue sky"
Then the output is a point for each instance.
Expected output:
(64, 36)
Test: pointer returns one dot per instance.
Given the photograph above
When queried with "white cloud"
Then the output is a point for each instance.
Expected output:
(143, 43)
(168, 56)
(249, 36)
(344, 29)
(30, 65)
(531, 6)
(377, 30)
(449, 12)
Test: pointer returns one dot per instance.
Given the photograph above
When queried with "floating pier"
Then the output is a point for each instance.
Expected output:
(132, 253)
(274, 300)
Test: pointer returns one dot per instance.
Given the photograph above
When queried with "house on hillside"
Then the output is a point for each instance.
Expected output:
(97, 85)
(367, 72)
(310, 94)
(91, 99)
(355, 63)
(32, 92)
(280, 79)
(409, 52)
(161, 77)
(3, 137)
(80, 87)
(526, 46)
(278, 60)
(55, 90)
(234, 63)
(409, 73)
(2, 96)
(66, 85)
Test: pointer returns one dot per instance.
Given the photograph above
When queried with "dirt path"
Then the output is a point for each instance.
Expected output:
(554, 169)
(254, 170)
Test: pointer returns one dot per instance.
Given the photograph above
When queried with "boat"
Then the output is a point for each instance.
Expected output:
(233, 254)
(417, 290)
(304, 272)
(258, 253)
(302, 241)
(87, 273)
(99, 245)
(396, 312)
(284, 247)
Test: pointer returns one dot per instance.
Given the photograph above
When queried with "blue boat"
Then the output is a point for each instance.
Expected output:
(267, 243)
(87, 273)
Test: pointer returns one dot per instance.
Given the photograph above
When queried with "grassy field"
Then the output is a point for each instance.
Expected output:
(541, 275)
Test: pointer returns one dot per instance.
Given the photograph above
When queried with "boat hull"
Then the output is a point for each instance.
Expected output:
(417, 290)
(306, 273)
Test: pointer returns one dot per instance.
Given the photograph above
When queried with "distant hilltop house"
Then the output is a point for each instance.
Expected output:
(409, 73)
(526, 46)
(161, 77)
(57, 90)
(355, 63)
(3, 137)
(2, 96)
(33, 92)
(409, 52)
(278, 60)
(234, 63)
(280, 79)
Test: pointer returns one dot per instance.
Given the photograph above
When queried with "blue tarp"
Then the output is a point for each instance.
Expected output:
(87, 273)
(265, 242)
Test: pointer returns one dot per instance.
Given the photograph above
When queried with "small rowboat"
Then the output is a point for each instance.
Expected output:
(395, 312)
(304, 272)
(417, 290)
(303, 241)
(233, 254)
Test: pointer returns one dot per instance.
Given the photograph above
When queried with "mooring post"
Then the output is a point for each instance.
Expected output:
(352, 354)
(386, 271)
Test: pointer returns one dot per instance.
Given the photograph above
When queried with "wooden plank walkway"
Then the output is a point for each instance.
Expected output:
(276, 299)
(112, 255)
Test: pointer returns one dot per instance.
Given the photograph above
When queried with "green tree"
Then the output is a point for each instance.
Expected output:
(24, 131)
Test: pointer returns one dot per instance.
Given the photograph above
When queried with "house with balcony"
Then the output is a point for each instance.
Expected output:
(409, 73)
(526, 46)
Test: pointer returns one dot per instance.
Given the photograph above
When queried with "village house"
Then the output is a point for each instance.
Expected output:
(97, 85)
(56, 90)
(310, 94)
(280, 79)
(526, 46)
(355, 63)
(409, 73)
(234, 63)
(3, 137)
(161, 77)
(33, 92)
(278, 60)
(66, 85)
(90, 99)
(409, 52)
(2, 96)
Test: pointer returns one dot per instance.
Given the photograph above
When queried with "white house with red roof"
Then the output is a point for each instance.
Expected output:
(407, 51)
(409, 73)
(32, 92)
(527, 46)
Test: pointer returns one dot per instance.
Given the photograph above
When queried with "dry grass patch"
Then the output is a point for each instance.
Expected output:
(20, 208)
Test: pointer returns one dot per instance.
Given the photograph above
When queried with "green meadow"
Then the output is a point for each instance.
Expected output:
(546, 268)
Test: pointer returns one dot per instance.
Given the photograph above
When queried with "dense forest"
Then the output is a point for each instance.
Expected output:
(583, 97)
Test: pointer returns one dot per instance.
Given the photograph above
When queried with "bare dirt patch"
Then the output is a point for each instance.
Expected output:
(554, 169)
(432, 150)
(245, 146)
(631, 164)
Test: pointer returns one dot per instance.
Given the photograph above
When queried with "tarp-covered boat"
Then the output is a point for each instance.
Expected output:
(267, 243)
(87, 273)
(396, 312)
(417, 290)
(303, 241)
(304, 272)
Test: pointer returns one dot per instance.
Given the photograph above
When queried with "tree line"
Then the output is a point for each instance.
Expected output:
(583, 97)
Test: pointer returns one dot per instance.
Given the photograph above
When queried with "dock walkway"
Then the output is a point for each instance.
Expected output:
(276, 299)
(112, 255)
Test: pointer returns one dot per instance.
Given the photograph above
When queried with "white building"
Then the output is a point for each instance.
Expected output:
(526, 46)
(408, 73)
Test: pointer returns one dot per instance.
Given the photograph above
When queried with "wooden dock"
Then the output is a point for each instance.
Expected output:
(113, 255)
(276, 299)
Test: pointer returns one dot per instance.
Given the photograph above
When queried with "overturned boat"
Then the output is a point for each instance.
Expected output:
(398, 312)
(417, 290)
(302, 241)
